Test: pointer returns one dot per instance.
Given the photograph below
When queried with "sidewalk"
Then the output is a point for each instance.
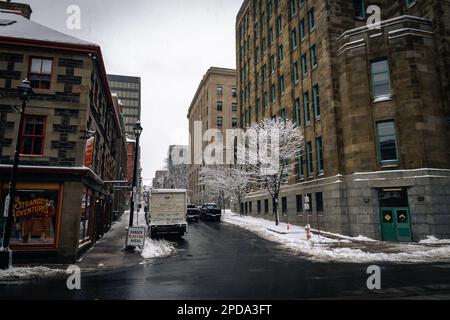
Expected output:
(330, 247)
(107, 252)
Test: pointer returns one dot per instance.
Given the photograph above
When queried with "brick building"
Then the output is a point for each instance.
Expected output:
(73, 140)
(214, 106)
(373, 104)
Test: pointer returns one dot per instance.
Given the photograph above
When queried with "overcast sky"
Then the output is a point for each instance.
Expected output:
(170, 44)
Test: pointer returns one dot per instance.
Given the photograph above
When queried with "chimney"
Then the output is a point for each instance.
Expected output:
(17, 8)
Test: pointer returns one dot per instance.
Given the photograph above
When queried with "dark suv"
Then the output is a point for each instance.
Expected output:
(211, 211)
(193, 213)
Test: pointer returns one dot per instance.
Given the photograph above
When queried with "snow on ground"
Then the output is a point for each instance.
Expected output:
(25, 273)
(156, 249)
(344, 249)
(434, 240)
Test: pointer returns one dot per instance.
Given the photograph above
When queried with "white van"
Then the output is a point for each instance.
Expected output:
(168, 212)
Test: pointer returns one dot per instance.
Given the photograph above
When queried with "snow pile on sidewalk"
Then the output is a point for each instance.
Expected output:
(346, 249)
(434, 240)
(29, 273)
(157, 249)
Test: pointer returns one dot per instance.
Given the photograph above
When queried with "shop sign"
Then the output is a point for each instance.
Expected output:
(89, 152)
(136, 237)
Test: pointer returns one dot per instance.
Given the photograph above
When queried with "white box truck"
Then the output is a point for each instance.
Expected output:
(168, 212)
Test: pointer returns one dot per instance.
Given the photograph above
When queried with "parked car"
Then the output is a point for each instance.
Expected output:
(211, 211)
(193, 213)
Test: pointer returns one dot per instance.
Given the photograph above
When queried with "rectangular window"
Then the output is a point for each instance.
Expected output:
(284, 207)
(297, 112)
(266, 206)
(40, 74)
(309, 158)
(273, 93)
(250, 207)
(387, 142)
(33, 135)
(279, 25)
(301, 163)
(381, 84)
(316, 101)
(313, 56)
(282, 88)
(219, 105)
(234, 107)
(234, 122)
(301, 3)
(304, 66)
(233, 92)
(280, 54)
(319, 147)
(306, 107)
(219, 121)
(302, 30)
(292, 8)
(270, 36)
(258, 204)
(264, 72)
(410, 3)
(219, 91)
(359, 8)
(258, 105)
(296, 78)
(272, 64)
(266, 100)
(319, 201)
(263, 46)
(299, 203)
(311, 20)
(269, 8)
(36, 217)
(294, 39)
(283, 114)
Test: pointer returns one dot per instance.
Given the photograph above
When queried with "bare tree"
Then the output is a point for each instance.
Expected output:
(226, 181)
(266, 151)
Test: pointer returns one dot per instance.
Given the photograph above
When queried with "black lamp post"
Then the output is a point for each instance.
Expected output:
(25, 92)
(137, 133)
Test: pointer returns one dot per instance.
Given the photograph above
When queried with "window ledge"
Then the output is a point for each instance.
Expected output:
(321, 174)
(390, 166)
(382, 99)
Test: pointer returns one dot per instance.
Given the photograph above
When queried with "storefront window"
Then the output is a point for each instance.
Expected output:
(35, 218)
(86, 210)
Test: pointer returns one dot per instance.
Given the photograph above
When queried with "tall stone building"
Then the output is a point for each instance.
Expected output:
(373, 102)
(214, 106)
(73, 142)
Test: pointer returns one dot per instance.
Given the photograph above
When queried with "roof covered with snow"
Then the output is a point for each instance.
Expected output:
(16, 26)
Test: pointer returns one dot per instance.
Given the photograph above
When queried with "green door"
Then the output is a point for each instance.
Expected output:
(403, 225)
(395, 224)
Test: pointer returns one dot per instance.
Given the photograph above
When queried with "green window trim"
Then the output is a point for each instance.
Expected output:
(380, 78)
(296, 77)
(304, 66)
(302, 30)
(306, 107)
(298, 112)
(384, 136)
(320, 164)
(294, 39)
(316, 102)
(313, 53)
(311, 20)
(309, 159)
(410, 3)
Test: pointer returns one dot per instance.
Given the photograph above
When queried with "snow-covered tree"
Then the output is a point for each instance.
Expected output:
(227, 181)
(266, 151)
(177, 177)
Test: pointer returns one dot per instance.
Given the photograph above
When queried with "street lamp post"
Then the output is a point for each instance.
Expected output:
(137, 133)
(25, 91)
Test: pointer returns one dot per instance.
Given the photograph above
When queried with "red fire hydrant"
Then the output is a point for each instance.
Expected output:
(308, 232)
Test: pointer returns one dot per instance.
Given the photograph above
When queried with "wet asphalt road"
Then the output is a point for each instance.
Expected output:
(220, 261)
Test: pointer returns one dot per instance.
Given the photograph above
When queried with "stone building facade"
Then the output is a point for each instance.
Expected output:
(73, 142)
(372, 101)
(214, 107)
